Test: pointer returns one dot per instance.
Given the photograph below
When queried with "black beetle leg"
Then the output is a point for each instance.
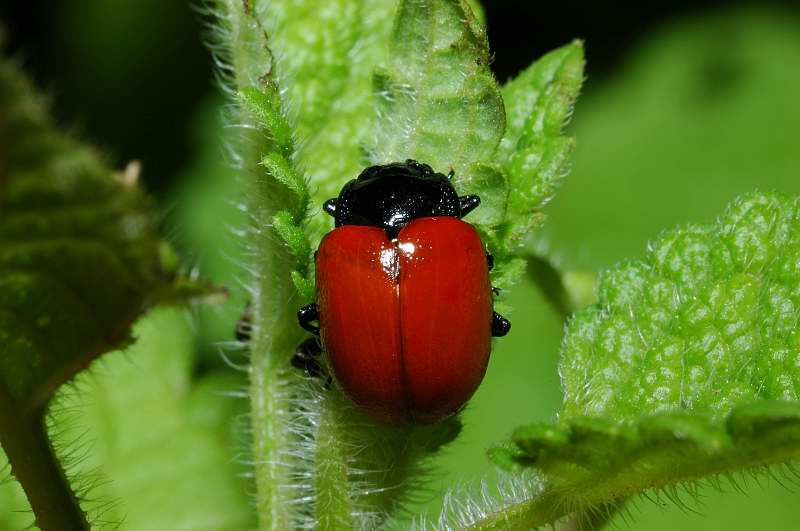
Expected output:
(468, 203)
(329, 206)
(244, 327)
(306, 357)
(500, 325)
(490, 261)
(305, 315)
(451, 174)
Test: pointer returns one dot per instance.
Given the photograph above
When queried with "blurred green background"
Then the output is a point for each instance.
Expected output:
(686, 105)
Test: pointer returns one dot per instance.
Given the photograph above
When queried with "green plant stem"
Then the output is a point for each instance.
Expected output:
(594, 520)
(541, 511)
(276, 335)
(275, 332)
(269, 438)
(606, 488)
(334, 505)
(24, 440)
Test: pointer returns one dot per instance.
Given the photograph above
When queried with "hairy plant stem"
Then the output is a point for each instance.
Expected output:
(275, 331)
(275, 337)
(593, 520)
(24, 439)
(334, 505)
(606, 491)
(270, 437)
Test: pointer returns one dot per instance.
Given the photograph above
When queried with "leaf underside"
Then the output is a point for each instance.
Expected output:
(80, 260)
(79, 254)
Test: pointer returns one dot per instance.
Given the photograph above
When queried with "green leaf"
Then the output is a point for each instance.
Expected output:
(80, 260)
(292, 235)
(149, 423)
(264, 105)
(357, 83)
(163, 443)
(534, 152)
(438, 102)
(707, 321)
(282, 171)
(304, 286)
(538, 104)
(685, 368)
(326, 52)
(79, 253)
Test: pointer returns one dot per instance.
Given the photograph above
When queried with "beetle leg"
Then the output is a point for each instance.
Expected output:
(500, 325)
(329, 206)
(468, 203)
(309, 348)
(490, 261)
(305, 359)
(305, 315)
(244, 327)
(451, 174)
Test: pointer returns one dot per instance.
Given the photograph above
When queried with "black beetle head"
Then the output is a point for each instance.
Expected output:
(390, 195)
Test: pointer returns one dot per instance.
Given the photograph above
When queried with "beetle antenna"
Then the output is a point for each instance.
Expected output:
(468, 203)
(330, 207)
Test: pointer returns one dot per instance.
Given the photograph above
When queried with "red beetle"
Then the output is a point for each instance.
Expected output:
(404, 301)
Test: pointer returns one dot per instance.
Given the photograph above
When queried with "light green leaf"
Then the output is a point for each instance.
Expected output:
(304, 286)
(685, 368)
(264, 105)
(438, 102)
(292, 235)
(707, 321)
(326, 52)
(534, 152)
(434, 99)
(281, 170)
(161, 443)
(538, 104)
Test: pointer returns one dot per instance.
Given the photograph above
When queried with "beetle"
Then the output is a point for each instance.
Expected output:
(404, 301)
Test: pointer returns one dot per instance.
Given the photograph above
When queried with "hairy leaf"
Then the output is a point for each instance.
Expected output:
(153, 433)
(328, 88)
(162, 440)
(79, 261)
(686, 367)
(79, 255)
(437, 99)
(325, 55)
(707, 321)
(534, 151)
(538, 103)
